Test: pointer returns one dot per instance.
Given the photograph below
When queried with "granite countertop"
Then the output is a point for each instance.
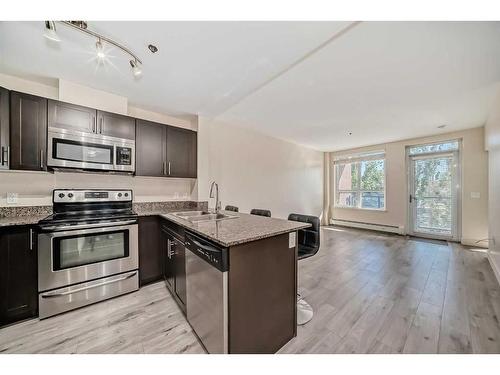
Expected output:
(244, 228)
(23, 215)
(6, 221)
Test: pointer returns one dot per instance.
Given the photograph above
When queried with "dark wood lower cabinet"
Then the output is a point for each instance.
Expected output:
(18, 275)
(150, 251)
(172, 238)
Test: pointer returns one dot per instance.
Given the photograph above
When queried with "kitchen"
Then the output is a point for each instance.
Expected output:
(98, 244)
(260, 187)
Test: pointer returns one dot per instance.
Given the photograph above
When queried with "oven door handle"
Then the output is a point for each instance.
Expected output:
(89, 226)
(53, 295)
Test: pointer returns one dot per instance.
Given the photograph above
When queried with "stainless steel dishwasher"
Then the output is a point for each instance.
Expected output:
(206, 278)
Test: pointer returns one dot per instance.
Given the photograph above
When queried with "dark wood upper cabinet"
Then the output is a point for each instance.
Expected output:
(72, 117)
(4, 128)
(181, 152)
(28, 132)
(114, 125)
(150, 149)
(18, 275)
(150, 251)
(165, 151)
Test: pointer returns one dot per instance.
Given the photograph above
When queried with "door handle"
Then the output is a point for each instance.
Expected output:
(52, 295)
(2, 157)
(31, 239)
(411, 198)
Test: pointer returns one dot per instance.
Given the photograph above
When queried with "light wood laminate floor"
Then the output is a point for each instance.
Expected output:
(371, 293)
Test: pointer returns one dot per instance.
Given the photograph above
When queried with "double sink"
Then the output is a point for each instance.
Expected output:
(197, 216)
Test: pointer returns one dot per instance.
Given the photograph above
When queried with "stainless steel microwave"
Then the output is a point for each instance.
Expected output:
(71, 149)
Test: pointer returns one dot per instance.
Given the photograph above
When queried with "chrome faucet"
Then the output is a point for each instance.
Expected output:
(217, 202)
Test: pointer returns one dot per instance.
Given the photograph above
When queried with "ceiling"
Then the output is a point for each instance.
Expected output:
(327, 85)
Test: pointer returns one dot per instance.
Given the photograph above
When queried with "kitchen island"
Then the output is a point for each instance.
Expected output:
(247, 304)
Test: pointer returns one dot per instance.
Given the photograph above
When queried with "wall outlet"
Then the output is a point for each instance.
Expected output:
(475, 195)
(12, 198)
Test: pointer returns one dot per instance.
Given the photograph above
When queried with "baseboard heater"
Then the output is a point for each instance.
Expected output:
(364, 225)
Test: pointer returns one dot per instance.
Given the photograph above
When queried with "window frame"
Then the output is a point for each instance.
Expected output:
(359, 158)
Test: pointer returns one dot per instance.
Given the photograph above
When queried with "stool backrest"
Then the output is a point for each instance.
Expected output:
(260, 212)
(232, 208)
(309, 238)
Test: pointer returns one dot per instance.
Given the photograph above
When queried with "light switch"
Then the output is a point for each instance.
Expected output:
(12, 198)
(475, 195)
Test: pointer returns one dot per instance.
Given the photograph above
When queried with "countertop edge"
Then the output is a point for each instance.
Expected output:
(298, 226)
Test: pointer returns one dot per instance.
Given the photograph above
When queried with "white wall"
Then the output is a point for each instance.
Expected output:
(492, 138)
(35, 188)
(257, 171)
(474, 179)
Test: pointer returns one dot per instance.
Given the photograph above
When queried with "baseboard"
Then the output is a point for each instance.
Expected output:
(473, 242)
(496, 271)
(371, 226)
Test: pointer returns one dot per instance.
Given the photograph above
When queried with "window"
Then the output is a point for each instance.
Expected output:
(360, 181)
(433, 147)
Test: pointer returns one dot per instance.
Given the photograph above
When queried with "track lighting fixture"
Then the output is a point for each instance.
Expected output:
(50, 33)
(100, 50)
(136, 68)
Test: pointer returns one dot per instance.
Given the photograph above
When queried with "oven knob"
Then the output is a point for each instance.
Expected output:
(119, 195)
(61, 195)
(126, 194)
(70, 195)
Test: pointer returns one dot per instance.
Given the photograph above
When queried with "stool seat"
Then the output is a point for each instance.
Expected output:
(307, 246)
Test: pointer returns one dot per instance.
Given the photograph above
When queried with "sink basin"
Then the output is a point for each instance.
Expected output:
(197, 216)
(190, 213)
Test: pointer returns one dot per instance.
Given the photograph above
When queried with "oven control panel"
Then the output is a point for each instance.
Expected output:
(75, 196)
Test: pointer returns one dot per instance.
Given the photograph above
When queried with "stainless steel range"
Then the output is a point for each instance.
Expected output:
(87, 250)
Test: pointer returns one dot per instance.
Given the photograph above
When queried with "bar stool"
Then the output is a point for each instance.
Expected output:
(308, 245)
(260, 212)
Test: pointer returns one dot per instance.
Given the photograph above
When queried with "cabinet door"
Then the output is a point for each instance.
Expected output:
(18, 275)
(4, 128)
(168, 258)
(150, 256)
(28, 132)
(114, 125)
(150, 149)
(180, 271)
(181, 152)
(72, 117)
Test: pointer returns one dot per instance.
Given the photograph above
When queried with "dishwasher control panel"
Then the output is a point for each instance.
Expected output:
(212, 253)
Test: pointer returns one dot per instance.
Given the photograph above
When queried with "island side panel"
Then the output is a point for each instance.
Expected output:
(262, 295)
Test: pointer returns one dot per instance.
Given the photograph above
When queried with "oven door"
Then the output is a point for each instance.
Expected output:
(75, 256)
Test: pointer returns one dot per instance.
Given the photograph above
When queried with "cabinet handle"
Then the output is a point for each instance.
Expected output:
(169, 246)
(94, 126)
(100, 125)
(31, 239)
(164, 168)
(41, 158)
(169, 168)
(2, 157)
